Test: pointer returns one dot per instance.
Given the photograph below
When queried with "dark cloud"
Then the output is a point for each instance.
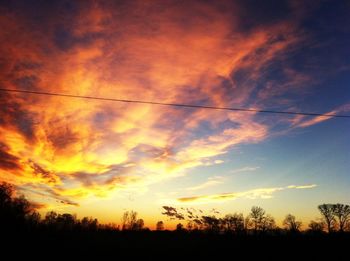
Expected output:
(28, 82)
(41, 14)
(12, 115)
(69, 202)
(38, 170)
(117, 174)
(38, 205)
(61, 136)
(255, 13)
(47, 193)
(188, 199)
(7, 160)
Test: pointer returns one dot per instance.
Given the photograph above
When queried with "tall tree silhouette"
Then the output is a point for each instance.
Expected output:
(129, 220)
(327, 212)
(342, 213)
(257, 215)
(14, 211)
(259, 220)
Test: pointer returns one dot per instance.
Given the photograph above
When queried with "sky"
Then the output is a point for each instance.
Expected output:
(101, 158)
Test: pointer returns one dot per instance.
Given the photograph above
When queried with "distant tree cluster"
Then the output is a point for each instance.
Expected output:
(68, 222)
(15, 211)
(18, 213)
(131, 222)
(335, 217)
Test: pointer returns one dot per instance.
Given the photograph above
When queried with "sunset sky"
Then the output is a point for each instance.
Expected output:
(101, 158)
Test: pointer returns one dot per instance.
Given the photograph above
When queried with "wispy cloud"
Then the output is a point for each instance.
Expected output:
(302, 187)
(306, 121)
(212, 181)
(244, 169)
(263, 193)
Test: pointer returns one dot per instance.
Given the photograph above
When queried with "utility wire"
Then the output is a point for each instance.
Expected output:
(173, 104)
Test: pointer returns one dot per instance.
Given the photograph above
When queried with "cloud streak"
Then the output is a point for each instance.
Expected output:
(212, 181)
(244, 169)
(263, 193)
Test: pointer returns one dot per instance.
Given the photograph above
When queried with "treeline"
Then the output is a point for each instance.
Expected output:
(17, 214)
(334, 218)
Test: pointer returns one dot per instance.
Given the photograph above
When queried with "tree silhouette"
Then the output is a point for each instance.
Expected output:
(342, 213)
(179, 227)
(14, 211)
(66, 221)
(211, 223)
(129, 220)
(50, 218)
(160, 226)
(316, 227)
(257, 215)
(6, 192)
(139, 224)
(233, 223)
(268, 223)
(89, 223)
(259, 220)
(327, 211)
(291, 223)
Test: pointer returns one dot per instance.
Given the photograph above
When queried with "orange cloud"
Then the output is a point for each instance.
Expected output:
(73, 148)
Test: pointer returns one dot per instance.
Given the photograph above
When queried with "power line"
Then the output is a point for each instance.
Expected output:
(173, 104)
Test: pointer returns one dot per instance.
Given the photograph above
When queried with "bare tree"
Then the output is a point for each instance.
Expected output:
(291, 223)
(129, 220)
(160, 226)
(211, 223)
(327, 212)
(315, 226)
(233, 222)
(267, 223)
(257, 215)
(342, 213)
